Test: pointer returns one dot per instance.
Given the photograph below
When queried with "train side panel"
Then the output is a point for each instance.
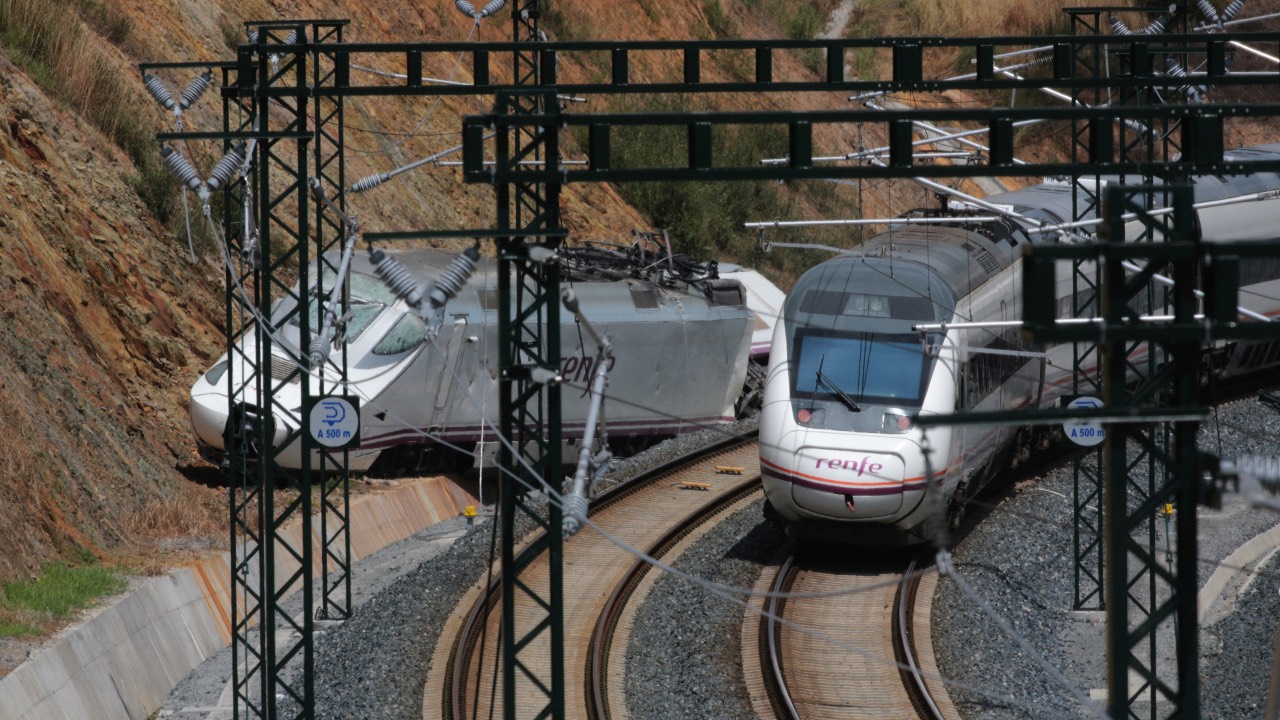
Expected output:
(679, 362)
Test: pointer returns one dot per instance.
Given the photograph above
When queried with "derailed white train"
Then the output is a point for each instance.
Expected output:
(840, 457)
(681, 351)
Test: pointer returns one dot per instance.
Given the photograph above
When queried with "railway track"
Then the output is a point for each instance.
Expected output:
(866, 653)
(653, 513)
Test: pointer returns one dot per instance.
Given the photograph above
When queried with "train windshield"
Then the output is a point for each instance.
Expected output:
(849, 333)
(858, 367)
(369, 296)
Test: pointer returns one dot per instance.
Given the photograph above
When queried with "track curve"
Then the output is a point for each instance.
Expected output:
(465, 674)
(854, 644)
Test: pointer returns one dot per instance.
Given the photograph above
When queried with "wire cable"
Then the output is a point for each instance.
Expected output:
(737, 595)
(475, 29)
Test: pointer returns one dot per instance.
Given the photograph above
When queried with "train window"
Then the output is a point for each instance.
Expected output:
(822, 302)
(830, 302)
(986, 372)
(866, 305)
(866, 366)
(368, 287)
(408, 333)
(361, 315)
(911, 308)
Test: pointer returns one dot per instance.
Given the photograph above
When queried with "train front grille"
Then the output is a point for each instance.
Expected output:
(284, 369)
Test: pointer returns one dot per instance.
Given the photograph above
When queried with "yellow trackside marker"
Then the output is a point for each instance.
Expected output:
(694, 486)
(1167, 510)
(469, 512)
(730, 470)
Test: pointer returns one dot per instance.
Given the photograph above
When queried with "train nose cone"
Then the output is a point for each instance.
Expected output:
(209, 418)
(838, 483)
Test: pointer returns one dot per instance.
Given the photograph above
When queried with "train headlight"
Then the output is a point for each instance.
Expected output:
(804, 416)
(895, 423)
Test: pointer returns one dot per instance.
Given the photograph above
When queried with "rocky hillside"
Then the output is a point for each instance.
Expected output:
(108, 320)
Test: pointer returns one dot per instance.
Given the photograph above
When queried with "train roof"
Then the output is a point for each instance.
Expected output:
(962, 256)
(644, 293)
(1052, 199)
(964, 252)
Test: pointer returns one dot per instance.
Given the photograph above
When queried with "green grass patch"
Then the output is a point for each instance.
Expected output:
(705, 218)
(61, 589)
(8, 629)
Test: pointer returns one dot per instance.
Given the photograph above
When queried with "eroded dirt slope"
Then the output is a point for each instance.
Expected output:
(104, 322)
(107, 321)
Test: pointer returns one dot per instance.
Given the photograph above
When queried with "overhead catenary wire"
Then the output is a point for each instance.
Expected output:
(696, 580)
(435, 104)
(375, 180)
(738, 595)
(727, 592)
(969, 501)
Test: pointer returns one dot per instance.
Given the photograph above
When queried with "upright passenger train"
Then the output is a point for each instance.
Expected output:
(839, 453)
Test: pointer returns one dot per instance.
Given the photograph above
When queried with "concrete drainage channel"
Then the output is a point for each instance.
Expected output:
(125, 660)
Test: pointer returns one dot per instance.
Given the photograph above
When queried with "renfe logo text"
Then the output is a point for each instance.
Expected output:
(864, 466)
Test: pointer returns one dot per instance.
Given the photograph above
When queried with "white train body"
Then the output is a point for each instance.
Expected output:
(839, 457)
(680, 357)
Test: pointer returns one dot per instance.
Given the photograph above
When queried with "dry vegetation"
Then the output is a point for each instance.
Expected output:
(82, 53)
(981, 18)
(57, 49)
(168, 529)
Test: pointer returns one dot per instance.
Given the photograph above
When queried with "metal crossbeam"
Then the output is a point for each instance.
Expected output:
(315, 70)
(1202, 144)
(906, 55)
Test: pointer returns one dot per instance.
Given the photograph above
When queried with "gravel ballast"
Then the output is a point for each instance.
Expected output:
(685, 660)
(1020, 560)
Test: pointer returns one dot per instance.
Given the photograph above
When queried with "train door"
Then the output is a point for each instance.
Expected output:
(449, 342)
(1003, 367)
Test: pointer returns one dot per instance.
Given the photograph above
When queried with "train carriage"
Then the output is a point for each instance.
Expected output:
(681, 350)
(839, 455)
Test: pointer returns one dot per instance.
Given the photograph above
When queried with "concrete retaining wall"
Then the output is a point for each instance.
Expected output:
(124, 662)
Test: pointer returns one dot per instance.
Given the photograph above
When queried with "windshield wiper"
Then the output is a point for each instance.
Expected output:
(825, 382)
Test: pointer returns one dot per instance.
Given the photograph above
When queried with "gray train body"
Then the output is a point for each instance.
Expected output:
(679, 362)
(840, 456)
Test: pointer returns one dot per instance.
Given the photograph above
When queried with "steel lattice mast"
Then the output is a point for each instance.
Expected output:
(273, 72)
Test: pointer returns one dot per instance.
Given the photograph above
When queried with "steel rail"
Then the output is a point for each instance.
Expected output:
(468, 639)
(905, 637)
(902, 627)
(607, 623)
(779, 694)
